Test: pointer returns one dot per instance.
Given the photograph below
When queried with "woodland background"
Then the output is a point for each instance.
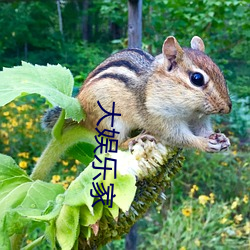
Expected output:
(208, 204)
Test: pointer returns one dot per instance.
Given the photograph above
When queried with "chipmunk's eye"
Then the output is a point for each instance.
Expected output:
(197, 79)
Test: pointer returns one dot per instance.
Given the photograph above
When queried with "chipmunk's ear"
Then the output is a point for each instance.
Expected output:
(171, 49)
(197, 43)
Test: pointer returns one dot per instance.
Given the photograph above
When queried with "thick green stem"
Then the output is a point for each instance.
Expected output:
(58, 146)
(52, 153)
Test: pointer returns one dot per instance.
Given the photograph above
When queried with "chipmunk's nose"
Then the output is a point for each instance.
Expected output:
(227, 108)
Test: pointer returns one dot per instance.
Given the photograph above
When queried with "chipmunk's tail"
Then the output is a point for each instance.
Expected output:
(50, 117)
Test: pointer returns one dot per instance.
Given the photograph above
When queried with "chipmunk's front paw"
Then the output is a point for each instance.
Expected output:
(218, 142)
(141, 139)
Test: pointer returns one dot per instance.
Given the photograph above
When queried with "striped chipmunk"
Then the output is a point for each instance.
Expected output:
(169, 97)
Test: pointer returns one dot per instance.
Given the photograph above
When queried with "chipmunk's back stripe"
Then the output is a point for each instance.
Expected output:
(142, 53)
(118, 77)
(118, 63)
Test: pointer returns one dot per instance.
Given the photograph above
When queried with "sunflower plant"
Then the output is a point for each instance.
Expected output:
(68, 218)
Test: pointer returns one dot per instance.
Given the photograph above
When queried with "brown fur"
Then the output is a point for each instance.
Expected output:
(156, 95)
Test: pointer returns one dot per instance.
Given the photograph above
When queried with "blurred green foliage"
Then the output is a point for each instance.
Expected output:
(30, 32)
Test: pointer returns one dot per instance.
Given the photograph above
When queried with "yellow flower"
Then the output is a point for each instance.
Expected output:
(6, 113)
(238, 218)
(187, 211)
(12, 105)
(23, 164)
(223, 220)
(73, 168)
(6, 141)
(238, 159)
(211, 195)
(4, 134)
(77, 162)
(183, 248)
(197, 242)
(247, 227)
(29, 124)
(35, 159)
(14, 123)
(245, 199)
(193, 190)
(238, 233)
(6, 149)
(70, 178)
(65, 163)
(234, 152)
(24, 107)
(224, 164)
(203, 199)
(235, 203)
(28, 241)
(197, 152)
(55, 178)
(223, 235)
(24, 154)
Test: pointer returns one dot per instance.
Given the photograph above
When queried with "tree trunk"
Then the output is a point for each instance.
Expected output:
(85, 23)
(131, 238)
(59, 16)
(135, 23)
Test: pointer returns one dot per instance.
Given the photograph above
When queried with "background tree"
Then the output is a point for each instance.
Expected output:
(135, 23)
(30, 31)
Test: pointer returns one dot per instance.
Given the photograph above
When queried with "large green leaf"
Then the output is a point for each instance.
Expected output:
(67, 226)
(21, 199)
(53, 82)
(40, 193)
(124, 184)
(124, 189)
(6, 186)
(78, 193)
(82, 151)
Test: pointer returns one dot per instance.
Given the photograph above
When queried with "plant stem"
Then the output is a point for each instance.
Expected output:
(52, 153)
(57, 146)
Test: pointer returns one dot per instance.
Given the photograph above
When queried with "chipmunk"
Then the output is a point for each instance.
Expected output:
(170, 96)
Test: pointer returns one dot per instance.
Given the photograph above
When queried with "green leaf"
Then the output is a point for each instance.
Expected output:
(6, 186)
(87, 218)
(39, 194)
(14, 223)
(14, 198)
(114, 210)
(84, 152)
(50, 234)
(53, 82)
(4, 240)
(86, 232)
(46, 215)
(20, 197)
(78, 193)
(124, 185)
(67, 226)
(9, 168)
